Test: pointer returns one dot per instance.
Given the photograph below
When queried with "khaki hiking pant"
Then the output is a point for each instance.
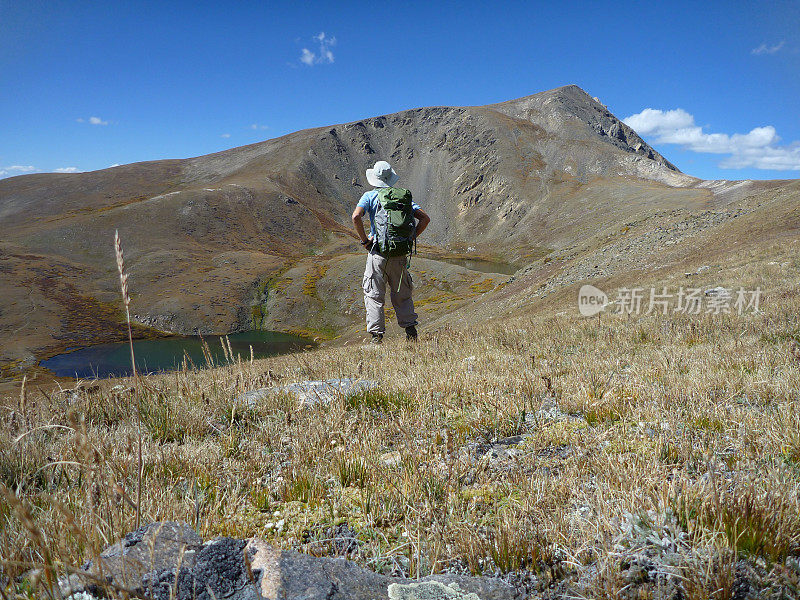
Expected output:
(379, 273)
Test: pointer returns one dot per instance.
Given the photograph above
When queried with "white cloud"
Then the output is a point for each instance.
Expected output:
(257, 126)
(764, 49)
(92, 121)
(307, 56)
(225, 135)
(650, 120)
(781, 158)
(323, 54)
(67, 170)
(16, 170)
(759, 148)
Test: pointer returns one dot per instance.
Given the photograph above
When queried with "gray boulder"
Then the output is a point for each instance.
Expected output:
(155, 548)
(168, 560)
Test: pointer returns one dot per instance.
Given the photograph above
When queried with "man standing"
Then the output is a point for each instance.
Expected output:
(393, 230)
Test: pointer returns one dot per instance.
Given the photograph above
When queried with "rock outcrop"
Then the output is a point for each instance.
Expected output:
(169, 560)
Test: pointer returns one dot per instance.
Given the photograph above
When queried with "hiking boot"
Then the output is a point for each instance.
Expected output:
(377, 338)
(411, 333)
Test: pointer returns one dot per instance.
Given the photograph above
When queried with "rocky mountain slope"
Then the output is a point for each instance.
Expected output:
(259, 236)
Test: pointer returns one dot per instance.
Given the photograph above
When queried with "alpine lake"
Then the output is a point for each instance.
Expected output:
(481, 265)
(169, 353)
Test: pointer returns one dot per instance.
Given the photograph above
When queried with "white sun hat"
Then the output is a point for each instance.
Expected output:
(382, 175)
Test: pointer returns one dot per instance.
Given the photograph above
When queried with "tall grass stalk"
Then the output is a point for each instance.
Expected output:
(126, 301)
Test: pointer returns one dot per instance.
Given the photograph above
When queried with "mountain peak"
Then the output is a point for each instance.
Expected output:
(557, 109)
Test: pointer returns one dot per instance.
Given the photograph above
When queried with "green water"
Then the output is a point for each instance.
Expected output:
(166, 354)
(484, 266)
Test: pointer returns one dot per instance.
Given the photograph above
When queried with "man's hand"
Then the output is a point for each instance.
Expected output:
(368, 244)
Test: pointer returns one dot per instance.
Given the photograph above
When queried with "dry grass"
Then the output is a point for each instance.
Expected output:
(656, 452)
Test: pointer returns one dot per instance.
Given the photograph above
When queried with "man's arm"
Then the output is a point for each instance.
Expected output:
(422, 220)
(358, 214)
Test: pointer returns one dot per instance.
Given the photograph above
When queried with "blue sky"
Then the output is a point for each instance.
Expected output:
(84, 85)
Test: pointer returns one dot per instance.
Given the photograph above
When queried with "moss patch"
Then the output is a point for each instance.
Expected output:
(483, 286)
(313, 275)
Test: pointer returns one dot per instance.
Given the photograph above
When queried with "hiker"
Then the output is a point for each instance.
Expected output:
(393, 231)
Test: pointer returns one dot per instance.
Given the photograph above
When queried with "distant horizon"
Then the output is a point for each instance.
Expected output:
(713, 88)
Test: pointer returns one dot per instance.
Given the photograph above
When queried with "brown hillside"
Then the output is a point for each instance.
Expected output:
(260, 235)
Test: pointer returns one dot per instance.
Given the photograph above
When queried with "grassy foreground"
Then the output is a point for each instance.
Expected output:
(658, 456)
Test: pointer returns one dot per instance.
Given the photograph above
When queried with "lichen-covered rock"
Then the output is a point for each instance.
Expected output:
(428, 590)
(289, 575)
(141, 557)
(220, 571)
(221, 568)
(166, 561)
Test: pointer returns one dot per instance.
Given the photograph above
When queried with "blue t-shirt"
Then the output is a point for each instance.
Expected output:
(369, 202)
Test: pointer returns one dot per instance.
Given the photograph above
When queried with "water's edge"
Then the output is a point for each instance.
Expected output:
(169, 353)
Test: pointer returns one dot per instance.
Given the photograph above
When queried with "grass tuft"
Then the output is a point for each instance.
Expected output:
(378, 399)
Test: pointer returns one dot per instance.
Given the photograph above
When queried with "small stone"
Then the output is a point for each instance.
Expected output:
(718, 291)
(391, 459)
